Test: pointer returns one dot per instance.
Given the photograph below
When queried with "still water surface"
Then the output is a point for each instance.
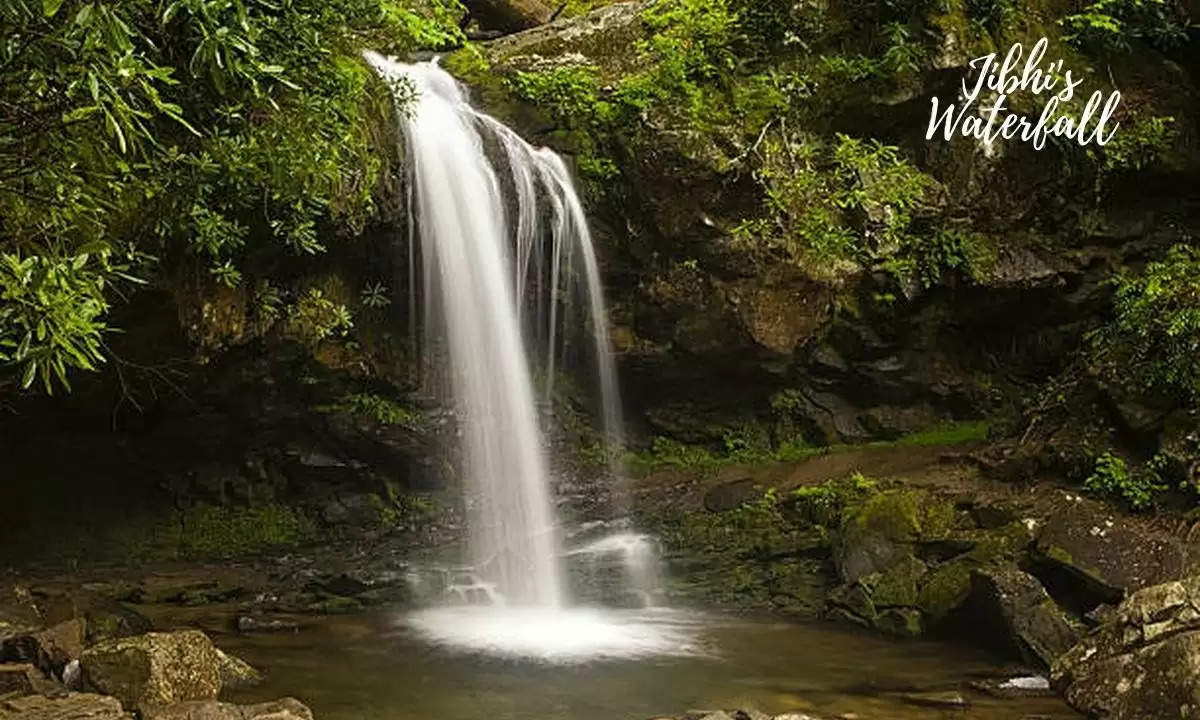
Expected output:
(382, 667)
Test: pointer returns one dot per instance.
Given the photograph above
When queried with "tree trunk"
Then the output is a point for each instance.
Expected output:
(510, 15)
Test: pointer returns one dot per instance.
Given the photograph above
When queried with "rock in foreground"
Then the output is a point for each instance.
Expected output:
(76, 706)
(1144, 663)
(1033, 624)
(155, 669)
(285, 709)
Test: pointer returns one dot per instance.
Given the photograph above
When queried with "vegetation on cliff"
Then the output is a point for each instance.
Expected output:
(761, 140)
(193, 141)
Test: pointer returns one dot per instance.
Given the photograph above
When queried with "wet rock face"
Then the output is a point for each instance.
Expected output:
(1144, 663)
(155, 668)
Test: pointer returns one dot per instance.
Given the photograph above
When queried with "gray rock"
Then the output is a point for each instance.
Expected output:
(1105, 556)
(605, 34)
(1144, 664)
(1034, 624)
(251, 623)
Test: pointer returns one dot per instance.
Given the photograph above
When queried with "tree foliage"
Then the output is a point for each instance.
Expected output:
(143, 137)
(1154, 339)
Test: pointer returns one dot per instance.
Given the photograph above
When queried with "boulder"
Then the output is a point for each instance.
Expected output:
(49, 649)
(1144, 663)
(18, 679)
(285, 709)
(732, 494)
(108, 620)
(600, 38)
(511, 15)
(74, 706)
(1107, 555)
(236, 672)
(1020, 607)
(884, 531)
(155, 668)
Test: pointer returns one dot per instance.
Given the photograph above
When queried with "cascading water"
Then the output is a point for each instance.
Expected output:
(483, 280)
(465, 251)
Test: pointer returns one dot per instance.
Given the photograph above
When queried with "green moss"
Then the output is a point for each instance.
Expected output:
(1001, 543)
(894, 514)
(823, 504)
(214, 531)
(389, 517)
(958, 433)
(204, 531)
(901, 622)
(334, 605)
(750, 445)
(378, 408)
(757, 556)
(937, 519)
(945, 589)
(896, 586)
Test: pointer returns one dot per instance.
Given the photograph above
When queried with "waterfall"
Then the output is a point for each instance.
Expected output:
(505, 250)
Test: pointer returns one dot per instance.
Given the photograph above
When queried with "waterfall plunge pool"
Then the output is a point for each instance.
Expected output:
(385, 666)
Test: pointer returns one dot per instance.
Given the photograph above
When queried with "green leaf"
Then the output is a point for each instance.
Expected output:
(30, 373)
(50, 7)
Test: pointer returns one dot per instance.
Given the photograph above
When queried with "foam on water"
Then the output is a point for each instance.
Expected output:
(559, 636)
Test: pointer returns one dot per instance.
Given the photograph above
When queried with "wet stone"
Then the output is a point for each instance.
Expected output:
(952, 699)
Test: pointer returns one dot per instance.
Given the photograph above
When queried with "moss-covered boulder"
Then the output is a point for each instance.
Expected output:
(154, 669)
(883, 531)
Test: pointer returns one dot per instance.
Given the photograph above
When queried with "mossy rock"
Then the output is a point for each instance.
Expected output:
(902, 622)
(945, 590)
(897, 586)
(882, 530)
(852, 602)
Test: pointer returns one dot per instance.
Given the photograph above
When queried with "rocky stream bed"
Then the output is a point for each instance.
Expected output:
(926, 591)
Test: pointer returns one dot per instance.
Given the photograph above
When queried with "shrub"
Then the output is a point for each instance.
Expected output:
(1111, 477)
(1153, 341)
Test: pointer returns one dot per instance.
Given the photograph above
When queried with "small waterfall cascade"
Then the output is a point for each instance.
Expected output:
(505, 256)
(619, 568)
